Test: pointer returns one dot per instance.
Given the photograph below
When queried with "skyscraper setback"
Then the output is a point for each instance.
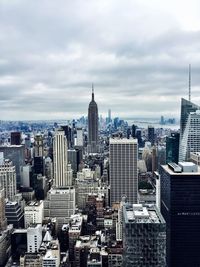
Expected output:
(93, 125)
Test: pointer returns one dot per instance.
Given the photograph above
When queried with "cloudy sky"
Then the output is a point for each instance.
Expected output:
(136, 52)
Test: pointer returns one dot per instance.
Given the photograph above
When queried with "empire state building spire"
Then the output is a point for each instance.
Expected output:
(92, 92)
(93, 125)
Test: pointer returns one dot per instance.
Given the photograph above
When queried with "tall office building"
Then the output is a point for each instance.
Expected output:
(39, 146)
(60, 160)
(172, 148)
(109, 116)
(123, 169)
(180, 207)
(16, 154)
(69, 134)
(8, 179)
(133, 130)
(190, 141)
(93, 126)
(144, 236)
(186, 108)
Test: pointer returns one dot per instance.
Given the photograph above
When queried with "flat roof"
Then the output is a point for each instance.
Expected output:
(171, 172)
(123, 141)
(61, 190)
(137, 213)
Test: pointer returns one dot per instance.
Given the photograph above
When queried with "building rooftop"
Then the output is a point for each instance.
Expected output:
(11, 146)
(87, 241)
(122, 141)
(187, 168)
(137, 213)
(34, 203)
(49, 255)
(60, 191)
(75, 223)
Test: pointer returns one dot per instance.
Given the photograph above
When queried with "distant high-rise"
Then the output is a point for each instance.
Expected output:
(133, 132)
(186, 108)
(151, 135)
(109, 116)
(15, 138)
(93, 125)
(123, 169)
(69, 134)
(180, 207)
(16, 154)
(60, 160)
(79, 139)
(39, 146)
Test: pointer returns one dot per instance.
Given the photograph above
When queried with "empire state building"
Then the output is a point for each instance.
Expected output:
(93, 126)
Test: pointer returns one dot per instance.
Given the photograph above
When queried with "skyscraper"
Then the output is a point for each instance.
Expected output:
(186, 108)
(39, 146)
(8, 179)
(93, 125)
(172, 148)
(180, 207)
(151, 135)
(109, 116)
(190, 141)
(123, 169)
(60, 160)
(16, 154)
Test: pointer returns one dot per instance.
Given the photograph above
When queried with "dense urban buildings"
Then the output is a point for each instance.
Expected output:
(95, 191)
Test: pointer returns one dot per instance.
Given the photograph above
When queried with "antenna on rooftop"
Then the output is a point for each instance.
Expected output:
(189, 82)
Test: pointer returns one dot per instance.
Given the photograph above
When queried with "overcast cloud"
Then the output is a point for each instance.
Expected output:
(136, 52)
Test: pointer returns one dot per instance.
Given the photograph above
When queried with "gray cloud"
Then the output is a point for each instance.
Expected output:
(136, 54)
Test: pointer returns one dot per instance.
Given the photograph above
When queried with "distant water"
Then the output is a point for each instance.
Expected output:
(145, 123)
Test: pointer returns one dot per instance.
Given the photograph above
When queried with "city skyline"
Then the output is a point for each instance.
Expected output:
(136, 53)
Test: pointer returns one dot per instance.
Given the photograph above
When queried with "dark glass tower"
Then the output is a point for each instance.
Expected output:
(172, 148)
(180, 207)
(93, 125)
(151, 135)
